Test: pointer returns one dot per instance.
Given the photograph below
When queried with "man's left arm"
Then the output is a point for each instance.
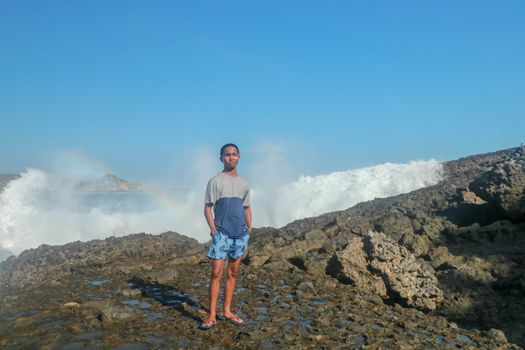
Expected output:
(248, 217)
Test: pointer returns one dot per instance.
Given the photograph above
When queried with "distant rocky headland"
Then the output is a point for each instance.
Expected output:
(108, 183)
(439, 268)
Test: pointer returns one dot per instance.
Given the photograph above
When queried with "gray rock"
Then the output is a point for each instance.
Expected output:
(351, 266)
(504, 185)
(161, 276)
(315, 235)
(306, 287)
(379, 265)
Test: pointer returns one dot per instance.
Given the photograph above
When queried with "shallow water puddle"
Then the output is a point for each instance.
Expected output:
(152, 316)
(262, 310)
(464, 339)
(97, 283)
(49, 323)
(137, 303)
(131, 346)
(79, 345)
(19, 314)
(88, 335)
(359, 339)
(239, 290)
(262, 287)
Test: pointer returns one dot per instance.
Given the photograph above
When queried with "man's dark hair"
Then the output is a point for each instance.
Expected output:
(229, 145)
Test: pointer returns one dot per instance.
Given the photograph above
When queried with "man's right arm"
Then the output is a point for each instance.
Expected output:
(209, 218)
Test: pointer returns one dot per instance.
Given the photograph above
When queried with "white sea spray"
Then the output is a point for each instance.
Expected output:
(42, 208)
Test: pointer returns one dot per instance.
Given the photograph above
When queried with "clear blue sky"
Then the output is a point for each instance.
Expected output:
(345, 84)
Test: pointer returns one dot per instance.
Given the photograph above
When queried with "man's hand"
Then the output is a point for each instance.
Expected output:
(248, 217)
(209, 218)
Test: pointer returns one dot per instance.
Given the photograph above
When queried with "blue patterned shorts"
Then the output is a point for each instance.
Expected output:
(223, 246)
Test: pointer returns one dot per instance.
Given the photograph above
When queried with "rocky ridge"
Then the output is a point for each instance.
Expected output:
(469, 228)
(436, 268)
(108, 183)
(126, 254)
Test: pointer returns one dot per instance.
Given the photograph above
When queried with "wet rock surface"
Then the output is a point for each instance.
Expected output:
(439, 268)
(283, 308)
(126, 254)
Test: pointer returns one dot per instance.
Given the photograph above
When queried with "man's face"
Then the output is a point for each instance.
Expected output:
(230, 157)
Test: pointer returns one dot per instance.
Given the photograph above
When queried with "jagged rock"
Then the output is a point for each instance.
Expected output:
(411, 280)
(501, 231)
(108, 311)
(505, 186)
(395, 224)
(471, 198)
(351, 266)
(379, 265)
(306, 286)
(439, 256)
(417, 244)
(315, 235)
(498, 336)
(275, 252)
(160, 276)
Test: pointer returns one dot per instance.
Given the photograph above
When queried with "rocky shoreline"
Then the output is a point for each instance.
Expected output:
(438, 268)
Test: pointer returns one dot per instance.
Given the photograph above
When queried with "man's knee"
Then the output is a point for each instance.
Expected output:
(216, 273)
(233, 271)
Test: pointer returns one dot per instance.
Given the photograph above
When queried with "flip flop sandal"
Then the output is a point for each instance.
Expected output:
(235, 320)
(207, 325)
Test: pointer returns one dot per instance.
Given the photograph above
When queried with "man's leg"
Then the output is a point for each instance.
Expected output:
(215, 283)
(233, 271)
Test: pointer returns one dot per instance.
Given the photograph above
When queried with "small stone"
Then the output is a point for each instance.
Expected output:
(72, 304)
(306, 287)
(373, 298)
(130, 291)
(314, 235)
(498, 336)
(453, 325)
(74, 328)
(23, 321)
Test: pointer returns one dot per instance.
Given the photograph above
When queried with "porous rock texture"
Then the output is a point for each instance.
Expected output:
(504, 186)
(377, 264)
(469, 228)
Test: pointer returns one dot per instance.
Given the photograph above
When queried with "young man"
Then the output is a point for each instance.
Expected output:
(230, 224)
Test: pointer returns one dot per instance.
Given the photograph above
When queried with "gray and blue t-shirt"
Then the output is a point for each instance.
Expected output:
(229, 195)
